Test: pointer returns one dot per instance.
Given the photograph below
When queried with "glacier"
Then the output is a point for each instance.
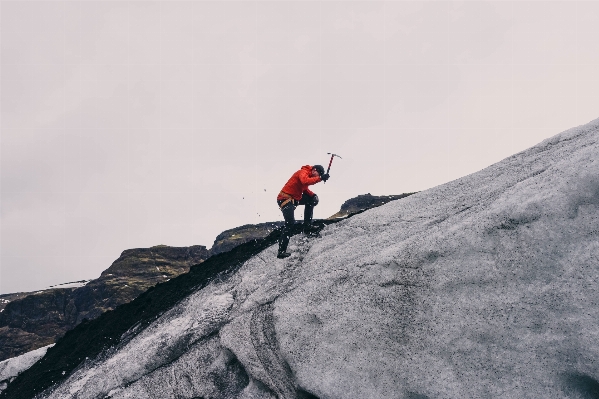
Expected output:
(485, 286)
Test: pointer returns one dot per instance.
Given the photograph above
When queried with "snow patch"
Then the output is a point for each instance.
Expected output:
(160, 344)
(11, 368)
(74, 284)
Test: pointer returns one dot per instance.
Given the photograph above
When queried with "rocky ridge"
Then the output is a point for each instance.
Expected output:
(30, 321)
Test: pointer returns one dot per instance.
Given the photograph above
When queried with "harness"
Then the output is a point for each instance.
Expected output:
(288, 199)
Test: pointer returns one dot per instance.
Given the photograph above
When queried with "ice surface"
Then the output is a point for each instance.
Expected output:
(484, 287)
(14, 366)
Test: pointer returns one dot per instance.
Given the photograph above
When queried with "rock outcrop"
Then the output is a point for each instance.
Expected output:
(364, 202)
(30, 321)
(231, 238)
(5, 299)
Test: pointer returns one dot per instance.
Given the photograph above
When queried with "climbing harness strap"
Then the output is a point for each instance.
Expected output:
(288, 199)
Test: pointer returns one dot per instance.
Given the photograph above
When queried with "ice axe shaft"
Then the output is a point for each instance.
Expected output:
(331, 161)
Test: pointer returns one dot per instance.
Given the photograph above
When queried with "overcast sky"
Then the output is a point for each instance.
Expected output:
(132, 124)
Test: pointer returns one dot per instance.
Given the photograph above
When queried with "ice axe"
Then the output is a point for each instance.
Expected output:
(331, 161)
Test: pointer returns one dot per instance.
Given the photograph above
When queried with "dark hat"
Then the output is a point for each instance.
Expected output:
(319, 169)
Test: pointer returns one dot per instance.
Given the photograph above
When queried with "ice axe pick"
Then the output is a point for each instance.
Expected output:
(331, 161)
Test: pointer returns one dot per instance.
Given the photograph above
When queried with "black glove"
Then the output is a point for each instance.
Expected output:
(324, 177)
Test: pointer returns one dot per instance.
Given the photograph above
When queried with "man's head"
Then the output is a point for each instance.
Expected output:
(317, 169)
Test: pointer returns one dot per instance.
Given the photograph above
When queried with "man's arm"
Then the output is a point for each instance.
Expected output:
(306, 180)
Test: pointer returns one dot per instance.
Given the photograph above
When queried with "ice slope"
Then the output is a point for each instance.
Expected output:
(484, 287)
(10, 368)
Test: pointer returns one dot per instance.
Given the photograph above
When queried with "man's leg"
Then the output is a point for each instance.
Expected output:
(308, 212)
(309, 204)
(288, 214)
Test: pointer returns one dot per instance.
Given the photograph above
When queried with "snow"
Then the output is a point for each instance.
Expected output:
(74, 284)
(481, 287)
(10, 368)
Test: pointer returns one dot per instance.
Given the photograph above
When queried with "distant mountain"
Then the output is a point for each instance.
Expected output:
(30, 321)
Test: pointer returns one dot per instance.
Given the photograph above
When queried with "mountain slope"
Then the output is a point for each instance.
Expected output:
(35, 319)
(115, 328)
(482, 287)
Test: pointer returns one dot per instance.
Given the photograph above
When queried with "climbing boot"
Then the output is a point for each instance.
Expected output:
(311, 230)
(283, 255)
(283, 242)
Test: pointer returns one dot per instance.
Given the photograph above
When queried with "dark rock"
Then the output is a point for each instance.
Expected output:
(231, 238)
(364, 202)
(7, 298)
(29, 321)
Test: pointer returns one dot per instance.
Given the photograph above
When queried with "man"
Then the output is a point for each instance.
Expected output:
(294, 193)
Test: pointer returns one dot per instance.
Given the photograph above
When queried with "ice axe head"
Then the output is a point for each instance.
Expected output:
(331, 161)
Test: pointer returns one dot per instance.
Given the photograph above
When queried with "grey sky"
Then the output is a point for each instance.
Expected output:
(131, 124)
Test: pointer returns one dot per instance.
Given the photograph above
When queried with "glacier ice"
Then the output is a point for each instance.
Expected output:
(485, 286)
(10, 368)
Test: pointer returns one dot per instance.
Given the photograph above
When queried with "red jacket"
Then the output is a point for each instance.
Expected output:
(298, 183)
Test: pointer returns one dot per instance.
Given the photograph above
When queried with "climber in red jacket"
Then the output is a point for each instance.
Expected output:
(294, 193)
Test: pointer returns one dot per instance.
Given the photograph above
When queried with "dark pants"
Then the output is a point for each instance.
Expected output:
(289, 215)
